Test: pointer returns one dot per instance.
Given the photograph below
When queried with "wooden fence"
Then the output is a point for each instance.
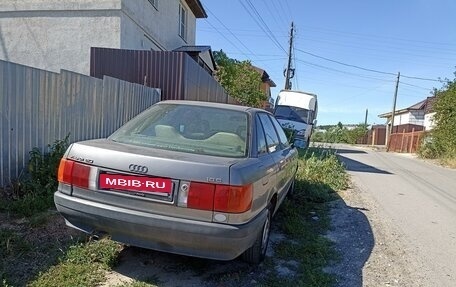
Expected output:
(405, 142)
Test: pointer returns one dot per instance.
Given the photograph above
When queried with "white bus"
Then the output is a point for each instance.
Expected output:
(298, 111)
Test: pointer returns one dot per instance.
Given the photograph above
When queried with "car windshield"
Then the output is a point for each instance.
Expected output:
(188, 128)
(291, 113)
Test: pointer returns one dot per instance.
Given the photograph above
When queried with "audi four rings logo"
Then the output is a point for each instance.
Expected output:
(138, 168)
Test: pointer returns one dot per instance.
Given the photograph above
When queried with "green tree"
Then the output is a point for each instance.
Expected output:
(444, 133)
(351, 136)
(239, 79)
(339, 134)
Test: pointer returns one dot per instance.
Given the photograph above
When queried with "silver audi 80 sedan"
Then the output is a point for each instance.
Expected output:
(192, 178)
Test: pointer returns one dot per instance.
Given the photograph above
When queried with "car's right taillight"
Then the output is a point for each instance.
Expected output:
(73, 173)
(215, 197)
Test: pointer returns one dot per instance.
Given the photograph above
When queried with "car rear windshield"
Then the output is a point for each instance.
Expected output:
(188, 128)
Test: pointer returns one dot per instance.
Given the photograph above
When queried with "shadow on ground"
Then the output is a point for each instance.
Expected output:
(165, 269)
(339, 151)
(352, 235)
(30, 246)
(357, 166)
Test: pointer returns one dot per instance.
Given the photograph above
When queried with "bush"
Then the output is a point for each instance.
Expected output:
(444, 136)
(429, 147)
(33, 192)
(340, 134)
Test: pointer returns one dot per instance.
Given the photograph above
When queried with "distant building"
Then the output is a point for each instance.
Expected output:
(418, 115)
(265, 87)
(57, 34)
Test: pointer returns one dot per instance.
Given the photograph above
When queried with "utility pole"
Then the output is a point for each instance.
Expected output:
(365, 119)
(289, 71)
(393, 113)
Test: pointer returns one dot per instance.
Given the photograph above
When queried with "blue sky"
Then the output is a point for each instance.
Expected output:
(414, 37)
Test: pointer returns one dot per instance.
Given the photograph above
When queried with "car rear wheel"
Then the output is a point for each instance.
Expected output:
(257, 252)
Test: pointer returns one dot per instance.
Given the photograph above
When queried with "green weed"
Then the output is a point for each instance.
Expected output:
(83, 265)
(33, 191)
(304, 219)
(70, 274)
(11, 243)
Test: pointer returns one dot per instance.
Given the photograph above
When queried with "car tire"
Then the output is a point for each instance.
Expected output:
(257, 252)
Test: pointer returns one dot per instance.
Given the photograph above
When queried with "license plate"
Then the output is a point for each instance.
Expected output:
(136, 183)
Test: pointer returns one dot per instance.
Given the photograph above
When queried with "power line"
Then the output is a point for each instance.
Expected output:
(378, 38)
(344, 64)
(365, 69)
(280, 13)
(411, 85)
(343, 72)
(226, 38)
(232, 34)
(261, 23)
(420, 78)
(271, 12)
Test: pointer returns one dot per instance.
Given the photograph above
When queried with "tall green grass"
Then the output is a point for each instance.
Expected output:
(304, 219)
(33, 191)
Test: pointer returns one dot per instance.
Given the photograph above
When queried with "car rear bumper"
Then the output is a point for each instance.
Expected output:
(158, 232)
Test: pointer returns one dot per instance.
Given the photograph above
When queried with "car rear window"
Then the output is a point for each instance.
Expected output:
(188, 128)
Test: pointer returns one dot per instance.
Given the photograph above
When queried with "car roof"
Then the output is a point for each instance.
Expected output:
(214, 105)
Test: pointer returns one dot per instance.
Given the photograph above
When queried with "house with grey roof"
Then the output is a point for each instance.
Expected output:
(418, 115)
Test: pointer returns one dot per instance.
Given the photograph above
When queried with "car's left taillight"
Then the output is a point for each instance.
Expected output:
(215, 197)
(74, 173)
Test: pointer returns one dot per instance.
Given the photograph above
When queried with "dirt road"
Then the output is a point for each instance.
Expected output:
(400, 221)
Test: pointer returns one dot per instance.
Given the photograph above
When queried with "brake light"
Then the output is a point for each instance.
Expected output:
(215, 197)
(74, 173)
(201, 196)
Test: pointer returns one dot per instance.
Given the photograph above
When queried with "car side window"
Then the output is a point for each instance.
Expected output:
(282, 136)
(261, 140)
(272, 140)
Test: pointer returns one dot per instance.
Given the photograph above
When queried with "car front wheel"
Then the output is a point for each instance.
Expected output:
(257, 252)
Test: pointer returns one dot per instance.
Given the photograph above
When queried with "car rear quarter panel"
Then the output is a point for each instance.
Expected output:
(262, 174)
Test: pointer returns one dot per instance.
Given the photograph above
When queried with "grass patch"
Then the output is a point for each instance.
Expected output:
(70, 274)
(449, 162)
(11, 243)
(305, 220)
(83, 265)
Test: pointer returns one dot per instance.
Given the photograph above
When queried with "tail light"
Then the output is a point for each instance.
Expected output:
(74, 173)
(215, 197)
(234, 199)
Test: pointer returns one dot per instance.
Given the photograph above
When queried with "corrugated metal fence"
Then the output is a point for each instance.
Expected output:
(177, 75)
(38, 107)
